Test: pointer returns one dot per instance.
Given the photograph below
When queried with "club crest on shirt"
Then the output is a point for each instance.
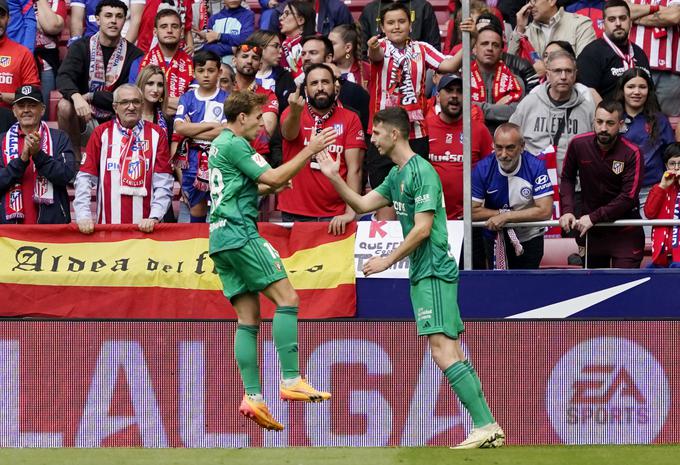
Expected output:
(401, 187)
(617, 167)
(5, 61)
(338, 128)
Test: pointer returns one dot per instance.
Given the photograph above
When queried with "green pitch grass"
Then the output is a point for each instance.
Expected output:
(535, 455)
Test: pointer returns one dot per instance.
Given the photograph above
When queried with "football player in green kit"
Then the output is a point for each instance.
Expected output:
(246, 263)
(414, 189)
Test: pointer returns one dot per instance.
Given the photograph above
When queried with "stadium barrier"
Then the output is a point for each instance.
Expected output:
(175, 384)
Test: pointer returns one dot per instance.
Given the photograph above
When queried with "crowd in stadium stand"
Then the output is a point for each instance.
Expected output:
(574, 105)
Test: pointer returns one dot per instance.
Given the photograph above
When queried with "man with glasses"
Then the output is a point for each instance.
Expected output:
(555, 112)
(127, 160)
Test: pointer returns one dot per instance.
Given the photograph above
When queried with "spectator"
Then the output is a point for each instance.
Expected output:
(297, 21)
(560, 45)
(347, 54)
(268, 15)
(662, 204)
(167, 54)
(398, 71)
(23, 27)
(312, 197)
(445, 130)
(423, 22)
(610, 170)
(433, 106)
(132, 156)
(512, 186)
(656, 33)
(331, 14)
(272, 76)
(151, 81)
(84, 19)
(555, 112)
(50, 15)
(318, 49)
(644, 124)
(147, 39)
(550, 23)
(454, 36)
(93, 68)
(36, 165)
(199, 118)
(603, 61)
(247, 62)
(228, 28)
(227, 78)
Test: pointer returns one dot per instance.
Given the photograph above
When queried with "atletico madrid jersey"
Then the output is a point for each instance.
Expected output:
(234, 169)
(415, 188)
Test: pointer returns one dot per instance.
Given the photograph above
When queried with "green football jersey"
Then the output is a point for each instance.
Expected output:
(234, 169)
(413, 189)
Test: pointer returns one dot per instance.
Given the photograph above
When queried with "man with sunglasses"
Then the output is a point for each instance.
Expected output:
(229, 28)
(246, 63)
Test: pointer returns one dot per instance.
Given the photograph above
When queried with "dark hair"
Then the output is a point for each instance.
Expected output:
(651, 108)
(327, 44)
(351, 34)
(242, 101)
(318, 66)
(614, 4)
(395, 117)
(305, 10)
(261, 38)
(112, 4)
(476, 6)
(396, 6)
(611, 106)
(203, 56)
(491, 28)
(166, 12)
(563, 44)
(671, 151)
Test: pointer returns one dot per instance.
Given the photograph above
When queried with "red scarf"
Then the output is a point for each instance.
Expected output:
(504, 83)
(104, 79)
(178, 73)
(202, 175)
(401, 89)
(133, 159)
(43, 190)
(291, 51)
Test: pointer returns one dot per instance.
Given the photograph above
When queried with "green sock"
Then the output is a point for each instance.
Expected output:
(475, 377)
(284, 330)
(245, 352)
(469, 391)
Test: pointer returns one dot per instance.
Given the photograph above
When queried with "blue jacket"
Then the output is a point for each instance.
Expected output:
(637, 131)
(332, 13)
(235, 26)
(22, 23)
(59, 169)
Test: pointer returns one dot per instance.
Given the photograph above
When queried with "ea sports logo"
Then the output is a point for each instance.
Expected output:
(607, 390)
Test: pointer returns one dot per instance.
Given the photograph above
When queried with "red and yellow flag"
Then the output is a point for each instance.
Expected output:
(119, 272)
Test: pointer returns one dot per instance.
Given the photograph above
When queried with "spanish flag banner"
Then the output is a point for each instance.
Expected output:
(120, 272)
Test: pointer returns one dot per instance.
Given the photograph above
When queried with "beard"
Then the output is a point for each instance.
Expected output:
(322, 101)
(451, 114)
(605, 138)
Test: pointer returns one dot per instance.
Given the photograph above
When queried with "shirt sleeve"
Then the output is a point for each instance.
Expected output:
(182, 108)
(542, 185)
(427, 190)
(355, 134)
(90, 162)
(29, 71)
(272, 104)
(246, 159)
(433, 57)
(478, 184)
(162, 164)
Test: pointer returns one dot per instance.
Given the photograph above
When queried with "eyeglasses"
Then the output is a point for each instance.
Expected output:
(247, 48)
(275, 45)
(287, 13)
(559, 72)
(673, 164)
(126, 103)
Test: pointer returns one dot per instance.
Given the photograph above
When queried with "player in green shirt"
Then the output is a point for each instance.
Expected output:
(415, 190)
(246, 263)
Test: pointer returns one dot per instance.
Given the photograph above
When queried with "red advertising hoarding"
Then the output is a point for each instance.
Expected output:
(175, 384)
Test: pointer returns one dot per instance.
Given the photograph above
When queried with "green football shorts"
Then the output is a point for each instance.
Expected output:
(251, 268)
(435, 307)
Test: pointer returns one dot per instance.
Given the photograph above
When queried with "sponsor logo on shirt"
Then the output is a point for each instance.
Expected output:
(542, 179)
(617, 167)
(422, 199)
(447, 157)
(259, 160)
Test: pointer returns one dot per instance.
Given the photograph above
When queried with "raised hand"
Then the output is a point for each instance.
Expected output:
(329, 167)
(322, 140)
(296, 102)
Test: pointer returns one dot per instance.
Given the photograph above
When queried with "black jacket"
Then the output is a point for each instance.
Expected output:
(523, 70)
(74, 72)
(59, 169)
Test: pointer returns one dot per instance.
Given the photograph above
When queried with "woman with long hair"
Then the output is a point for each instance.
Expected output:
(347, 53)
(151, 81)
(645, 125)
(272, 76)
(297, 21)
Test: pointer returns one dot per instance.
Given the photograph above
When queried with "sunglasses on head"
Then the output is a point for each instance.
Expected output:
(247, 48)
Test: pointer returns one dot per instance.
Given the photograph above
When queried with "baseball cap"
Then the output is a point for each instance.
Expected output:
(3, 5)
(447, 80)
(27, 92)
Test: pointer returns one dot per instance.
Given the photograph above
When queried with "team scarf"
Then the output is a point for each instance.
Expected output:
(202, 175)
(178, 73)
(401, 87)
(203, 15)
(500, 254)
(627, 58)
(292, 55)
(104, 79)
(43, 190)
(132, 160)
(319, 121)
(504, 83)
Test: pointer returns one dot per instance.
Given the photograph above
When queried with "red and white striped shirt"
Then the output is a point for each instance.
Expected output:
(663, 52)
(399, 80)
(102, 161)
